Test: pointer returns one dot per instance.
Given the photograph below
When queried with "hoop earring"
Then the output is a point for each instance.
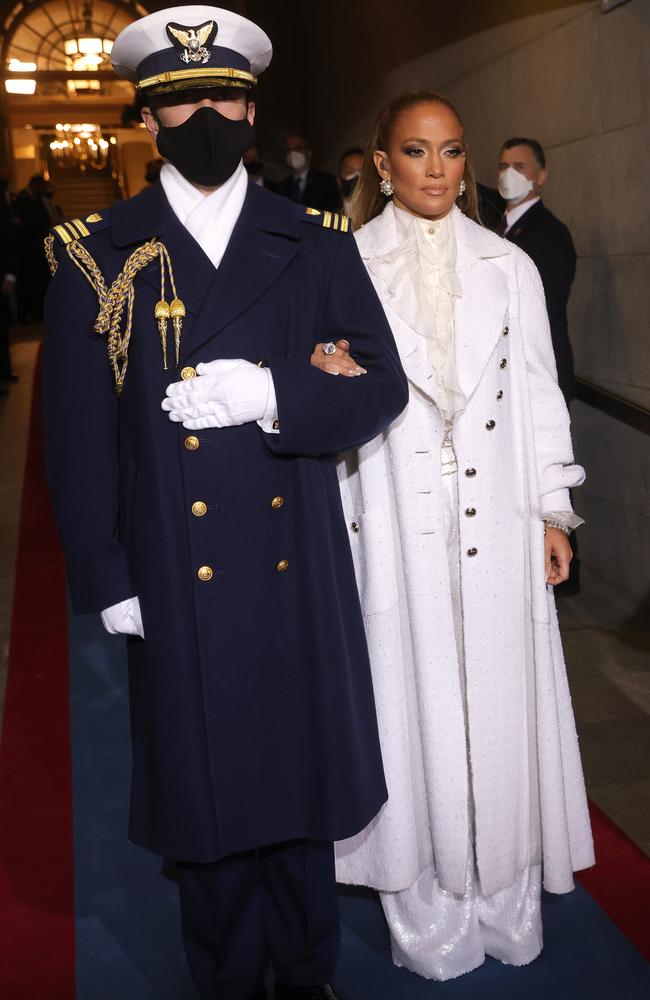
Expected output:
(386, 187)
(463, 187)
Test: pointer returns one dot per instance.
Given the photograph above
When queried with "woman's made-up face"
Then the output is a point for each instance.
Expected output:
(425, 161)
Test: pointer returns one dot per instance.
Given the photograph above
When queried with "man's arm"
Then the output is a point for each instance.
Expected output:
(317, 413)
(81, 443)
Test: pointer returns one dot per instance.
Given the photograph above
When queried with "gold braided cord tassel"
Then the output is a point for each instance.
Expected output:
(161, 312)
(86, 264)
(52, 262)
(120, 296)
(177, 313)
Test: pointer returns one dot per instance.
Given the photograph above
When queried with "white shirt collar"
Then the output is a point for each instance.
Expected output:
(514, 214)
(209, 219)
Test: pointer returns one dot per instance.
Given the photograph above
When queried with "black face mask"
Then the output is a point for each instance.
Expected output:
(207, 147)
(348, 186)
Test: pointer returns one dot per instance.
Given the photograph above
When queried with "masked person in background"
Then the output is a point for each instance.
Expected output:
(254, 165)
(305, 185)
(350, 166)
(529, 224)
(201, 499)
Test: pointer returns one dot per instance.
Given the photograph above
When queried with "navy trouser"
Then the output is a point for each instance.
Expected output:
(277, 904)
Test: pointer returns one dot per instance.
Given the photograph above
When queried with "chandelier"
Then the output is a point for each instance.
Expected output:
(81, 146)
(86, 52)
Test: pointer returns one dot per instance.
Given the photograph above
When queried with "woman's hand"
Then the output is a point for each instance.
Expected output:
(339, 363)
(557, 556)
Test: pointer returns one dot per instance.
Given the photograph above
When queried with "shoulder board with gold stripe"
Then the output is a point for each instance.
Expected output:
(78, 229)
(327, 220)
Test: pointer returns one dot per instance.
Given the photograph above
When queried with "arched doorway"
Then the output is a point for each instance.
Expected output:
(64, 111)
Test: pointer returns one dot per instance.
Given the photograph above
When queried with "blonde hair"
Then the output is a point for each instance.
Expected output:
(368, 201)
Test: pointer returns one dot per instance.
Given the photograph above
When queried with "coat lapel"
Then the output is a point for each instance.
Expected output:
(482, 310)
(149, 214)
(377, 238)
(263, 242)
(526, 222)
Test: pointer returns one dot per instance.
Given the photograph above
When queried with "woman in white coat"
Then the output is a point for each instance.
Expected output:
(458, 518)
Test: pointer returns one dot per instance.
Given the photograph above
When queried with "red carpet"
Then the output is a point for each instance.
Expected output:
(620, 880)
(37, 941)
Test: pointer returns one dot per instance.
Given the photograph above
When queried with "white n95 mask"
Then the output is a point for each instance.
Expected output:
(295, 160)
(513, 186)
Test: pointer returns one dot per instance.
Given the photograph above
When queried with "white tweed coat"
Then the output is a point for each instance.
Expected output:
(515, 463)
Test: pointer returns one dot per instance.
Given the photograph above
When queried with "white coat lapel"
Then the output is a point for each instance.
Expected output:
(376, 239)
(482, 311)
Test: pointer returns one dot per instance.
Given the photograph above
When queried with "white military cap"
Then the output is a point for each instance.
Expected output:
(182, 48)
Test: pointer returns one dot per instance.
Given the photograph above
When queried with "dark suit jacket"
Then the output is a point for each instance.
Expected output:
(320, 191)
(8, 238)
(252, 712)
(549, 243)
(491, 206)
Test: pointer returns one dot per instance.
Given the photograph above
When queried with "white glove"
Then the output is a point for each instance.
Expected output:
(124, 618)
(225, 393)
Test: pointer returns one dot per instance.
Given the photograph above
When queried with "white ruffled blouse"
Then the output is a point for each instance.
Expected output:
(423, 284)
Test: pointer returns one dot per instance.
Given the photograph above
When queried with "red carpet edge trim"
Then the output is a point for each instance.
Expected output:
(37, 934)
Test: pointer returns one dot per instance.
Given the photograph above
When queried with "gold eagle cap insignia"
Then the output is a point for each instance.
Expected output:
(194, 42)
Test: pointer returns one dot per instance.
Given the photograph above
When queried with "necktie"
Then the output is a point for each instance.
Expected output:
(296, 193)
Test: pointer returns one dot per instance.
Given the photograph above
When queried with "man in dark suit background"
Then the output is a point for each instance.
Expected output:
(35, 214)
(7, 276)
(529, 224)
(254, 164)
(305, 185)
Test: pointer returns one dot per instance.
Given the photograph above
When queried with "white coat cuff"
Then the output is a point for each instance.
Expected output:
(269, 422)
(565, 517)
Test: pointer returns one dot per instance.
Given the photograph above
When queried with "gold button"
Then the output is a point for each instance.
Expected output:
(276, 425)
(199, 508)
(282, 566)
(188, 372)
(504, 363)
(192, 443)
(470, 473)
(470, 512)
(490, 425)
(472, 552)
(277, 502)
(500, 394)
(205, 573)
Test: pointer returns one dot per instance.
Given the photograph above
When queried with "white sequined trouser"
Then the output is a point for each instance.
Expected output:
(437, 934)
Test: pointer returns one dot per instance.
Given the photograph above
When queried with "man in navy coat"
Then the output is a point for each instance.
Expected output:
(191, 456)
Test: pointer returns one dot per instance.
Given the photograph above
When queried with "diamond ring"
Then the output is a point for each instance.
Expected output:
(329, 348)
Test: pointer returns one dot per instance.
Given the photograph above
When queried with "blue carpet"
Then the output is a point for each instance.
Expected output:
(127, 916)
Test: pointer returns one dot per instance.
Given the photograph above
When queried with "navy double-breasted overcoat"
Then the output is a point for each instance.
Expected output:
(252, 709)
